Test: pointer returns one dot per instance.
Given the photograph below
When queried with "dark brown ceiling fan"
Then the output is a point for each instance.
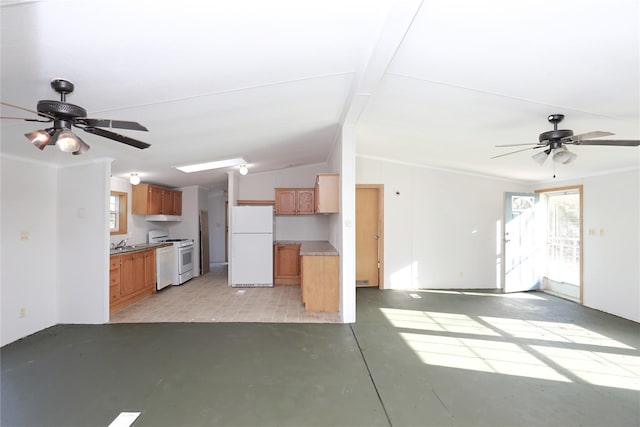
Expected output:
(555, 141)
(65, 116)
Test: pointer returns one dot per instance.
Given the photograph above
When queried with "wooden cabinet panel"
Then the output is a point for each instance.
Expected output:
(305, 202)
(154, 203)
(128, 275)
(285, 201)
(177, 202)
(320, 286)
(327, 191)
(295, 201)
(114, 278)
(132, 276)
(286, 268)
(150, 269)
(150, 199)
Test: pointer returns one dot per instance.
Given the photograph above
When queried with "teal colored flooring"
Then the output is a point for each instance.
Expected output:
(422, 358)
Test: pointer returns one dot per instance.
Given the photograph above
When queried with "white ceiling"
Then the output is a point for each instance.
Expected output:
(272, 81)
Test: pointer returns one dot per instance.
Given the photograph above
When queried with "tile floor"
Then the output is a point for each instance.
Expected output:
(209, 298)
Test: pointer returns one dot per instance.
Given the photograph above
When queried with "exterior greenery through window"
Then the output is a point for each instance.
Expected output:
(118, 212)
(563, 237)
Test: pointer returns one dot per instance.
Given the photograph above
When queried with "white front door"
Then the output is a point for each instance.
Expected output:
(522, 242)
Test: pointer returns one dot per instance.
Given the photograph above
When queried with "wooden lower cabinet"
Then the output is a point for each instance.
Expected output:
(286, 264)
(320, 283)
(132, 277)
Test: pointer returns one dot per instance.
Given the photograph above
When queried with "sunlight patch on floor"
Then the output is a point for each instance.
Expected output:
(435, 321)
(605, 369)
(551, 331)
(555, 351)
(480, 355)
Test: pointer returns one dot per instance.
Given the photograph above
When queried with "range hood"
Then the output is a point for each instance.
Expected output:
(163, 218)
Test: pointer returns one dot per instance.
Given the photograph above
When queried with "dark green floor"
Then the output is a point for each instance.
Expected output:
(366, 374)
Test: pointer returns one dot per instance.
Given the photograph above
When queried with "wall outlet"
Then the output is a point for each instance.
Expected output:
(24, 234)
(22, 313)
(601, 232)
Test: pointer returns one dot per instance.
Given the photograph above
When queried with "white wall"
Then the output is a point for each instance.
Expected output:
(83, 243)
(440, 229)
(342, 159)
(611, 266)
(217, 235)
(260, 186)
(29, 247)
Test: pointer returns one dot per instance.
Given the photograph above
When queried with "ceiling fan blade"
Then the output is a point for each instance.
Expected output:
(106, 123)
(615, 142)
(28, 111)
(116, 137)
(588, 135)
(26, 119)
(512, 152)
(517, 145)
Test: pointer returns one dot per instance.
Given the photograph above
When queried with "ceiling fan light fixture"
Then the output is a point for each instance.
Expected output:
(134, 179)
(68, 142)
(243, 169)
(39, 138)
(83, 148)
(564, 156)
(540, 157)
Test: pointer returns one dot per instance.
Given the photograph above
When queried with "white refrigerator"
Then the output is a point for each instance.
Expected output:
(251, 246)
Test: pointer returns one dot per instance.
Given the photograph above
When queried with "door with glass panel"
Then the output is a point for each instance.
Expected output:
(522, 242)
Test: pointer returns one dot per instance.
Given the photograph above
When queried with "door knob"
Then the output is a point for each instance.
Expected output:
(376, 237)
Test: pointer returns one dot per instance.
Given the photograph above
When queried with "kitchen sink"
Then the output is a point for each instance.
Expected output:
(129, 248)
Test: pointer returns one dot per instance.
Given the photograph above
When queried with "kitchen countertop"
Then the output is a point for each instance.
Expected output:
(312, 247)
(138, 247)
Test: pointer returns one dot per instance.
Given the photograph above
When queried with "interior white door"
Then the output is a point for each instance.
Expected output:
(522, 243)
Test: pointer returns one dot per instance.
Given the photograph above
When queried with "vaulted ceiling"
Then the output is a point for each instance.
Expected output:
(272, 81)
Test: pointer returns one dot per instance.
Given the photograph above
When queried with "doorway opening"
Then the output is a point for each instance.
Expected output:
(563, 218)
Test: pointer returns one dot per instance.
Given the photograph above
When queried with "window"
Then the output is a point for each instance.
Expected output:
(118, 212)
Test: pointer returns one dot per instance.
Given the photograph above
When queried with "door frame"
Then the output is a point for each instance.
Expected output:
(578, 187)
(380, 188)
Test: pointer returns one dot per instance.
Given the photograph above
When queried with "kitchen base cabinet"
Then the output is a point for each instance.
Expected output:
(321, 283)
(132, 277)
(286, 264)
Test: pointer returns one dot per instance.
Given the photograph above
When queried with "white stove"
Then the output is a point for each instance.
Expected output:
(183, 255)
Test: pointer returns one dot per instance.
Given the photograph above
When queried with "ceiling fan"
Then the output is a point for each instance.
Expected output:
(65, 116)
(555, 141)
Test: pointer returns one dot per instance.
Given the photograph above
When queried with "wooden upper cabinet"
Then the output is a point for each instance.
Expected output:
(294, 201)
(177, 202)
(304, 203)
(327, 193)
(150, 199)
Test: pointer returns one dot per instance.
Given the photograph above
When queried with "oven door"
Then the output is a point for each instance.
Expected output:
(185, 259)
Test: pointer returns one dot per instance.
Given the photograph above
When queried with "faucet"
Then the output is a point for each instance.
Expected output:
(122, 244)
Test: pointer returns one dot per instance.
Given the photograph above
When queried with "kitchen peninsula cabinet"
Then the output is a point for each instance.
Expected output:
(132, 276)
(326, 191)
(320, 277)
(295, 201)
(286, 264)
(148, 199)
